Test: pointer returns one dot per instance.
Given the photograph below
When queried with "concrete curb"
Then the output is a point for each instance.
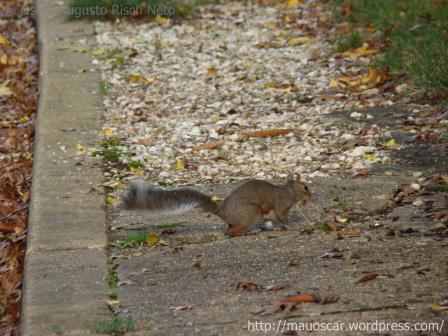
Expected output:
(65, 266)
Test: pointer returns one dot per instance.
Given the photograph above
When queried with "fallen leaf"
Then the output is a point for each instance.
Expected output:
(161, 20)
(348, 233)
(267, 133)
(208, 146)
(373, 77)
(362, 51)
(299, 298)
(111, 200)
(211, 70)
(252, 287)
(4, 59)
(4, 89)
(113, 304)
(179, 308)
(437, 308)
(361, 172)
(180, 165)
(138, 78)
(367, 277)
(3, 41)
(390, 144)
(136, 171)
(294, 3)
(107, 131)
(152, 239)
(299, 41)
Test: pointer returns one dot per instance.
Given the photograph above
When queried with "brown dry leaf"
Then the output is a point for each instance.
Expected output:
(282, 87)
(294, 3)
(361, 172)
(362, 51)
(211, 70)
(332, 254)
(368, 277)
(373, 78)
(299, 298)
(267, 133)
(349, 233)
(208, 146)
(179, 308)
(252, 287)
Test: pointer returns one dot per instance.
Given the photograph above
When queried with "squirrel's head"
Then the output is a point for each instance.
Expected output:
(301, 189)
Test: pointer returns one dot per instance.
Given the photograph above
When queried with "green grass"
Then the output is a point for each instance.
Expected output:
(116, 325)
(414, 32)
(169, 225)
(133, 239)
(131, 8)
(112, 150)
(112, 280)
(352, 40)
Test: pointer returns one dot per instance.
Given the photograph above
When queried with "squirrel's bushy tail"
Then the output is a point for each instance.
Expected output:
(174, 201)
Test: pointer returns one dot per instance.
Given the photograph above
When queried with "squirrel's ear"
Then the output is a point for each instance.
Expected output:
(297, 177)
(290, 177)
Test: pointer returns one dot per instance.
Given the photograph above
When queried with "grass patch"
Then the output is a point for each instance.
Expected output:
(352, 40)
(414, 33)
(112, 280)
(131, 8)
(112, 150)
(133, 239)
(169, 225)
(116, 325)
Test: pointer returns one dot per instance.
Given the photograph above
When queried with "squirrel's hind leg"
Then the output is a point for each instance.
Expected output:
(240, 224)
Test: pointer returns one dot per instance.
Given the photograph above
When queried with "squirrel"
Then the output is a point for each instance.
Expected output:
(241, 209)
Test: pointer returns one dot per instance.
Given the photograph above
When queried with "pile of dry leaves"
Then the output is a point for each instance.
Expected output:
(18, 101)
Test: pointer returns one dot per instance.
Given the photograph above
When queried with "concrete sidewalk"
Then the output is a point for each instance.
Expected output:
(65, 266)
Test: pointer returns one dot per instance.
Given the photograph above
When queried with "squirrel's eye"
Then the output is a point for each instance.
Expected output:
(306, 188)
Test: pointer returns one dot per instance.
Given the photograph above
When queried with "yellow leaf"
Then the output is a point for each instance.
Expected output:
(293, 3)
(4, 89)
(114, 304)
(3, 41)
(180, 165)
(137, 78)
(217, 199)
(370, 157)
(390, 143)
(335, 83)
(299, 41)
(80, 148)
(152, 239)
(341, 219)
(162, 242)
(211, 70)
(24, 119)
(99, 51)
(282, 87)
(4, 59)
(373, 77)
(436, 307)
(161, 20)
(360, 52)
(107, 131)
(111, 200)
(136, 171)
